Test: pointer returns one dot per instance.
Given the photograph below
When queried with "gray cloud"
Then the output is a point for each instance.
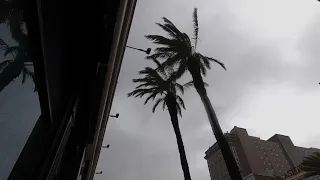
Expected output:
(270, 49)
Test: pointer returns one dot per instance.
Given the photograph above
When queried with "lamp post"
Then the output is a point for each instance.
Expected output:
(107, 146)
(146, 51)
(115, 116)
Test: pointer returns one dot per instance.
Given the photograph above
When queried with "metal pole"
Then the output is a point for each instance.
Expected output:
(146, 51)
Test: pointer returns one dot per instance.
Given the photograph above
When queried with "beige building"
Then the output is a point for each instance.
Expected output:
(258, 159)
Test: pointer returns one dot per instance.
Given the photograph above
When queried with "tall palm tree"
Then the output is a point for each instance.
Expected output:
(311, 164)
(179, 52)
(164, 88)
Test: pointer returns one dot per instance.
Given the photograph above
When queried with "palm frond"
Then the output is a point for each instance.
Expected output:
(191, 84)
(24, 75)
(164, 105)
(12, 50)
(160, 69)
(164, 49)
(3, 45)
(195, 27)
(145, 85)
(217, 61)
(157, 62)
(179, 110)
(188, 84)
(152, 96)
(140, 92)
(157, 39)
(162, 55)
(203, 69)
(173, 30)
(181, 70)
(4, 64)
(157, 103)
(203, 59)
(180, 102)
(27, 73)
(179, 87)
(187, 41)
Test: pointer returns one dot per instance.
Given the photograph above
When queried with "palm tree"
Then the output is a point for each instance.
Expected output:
(311, 164)
(11, 13)
(165, 88)
(179, 52)
(12, 68)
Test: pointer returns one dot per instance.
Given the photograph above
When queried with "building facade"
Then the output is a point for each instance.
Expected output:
(257, 158)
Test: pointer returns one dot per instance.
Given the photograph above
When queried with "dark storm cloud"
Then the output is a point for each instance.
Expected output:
(262, 51)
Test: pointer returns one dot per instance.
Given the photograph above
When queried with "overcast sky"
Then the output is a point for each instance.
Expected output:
(271, 50)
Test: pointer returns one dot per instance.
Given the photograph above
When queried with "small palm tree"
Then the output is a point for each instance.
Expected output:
(20, 64)
(11, 13)
(164, 88)
(311, 164)
(179, 52)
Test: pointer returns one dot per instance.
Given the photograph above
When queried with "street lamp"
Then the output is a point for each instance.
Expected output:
(115, 116)
(146, 51)
(107, 146)
(99, 172)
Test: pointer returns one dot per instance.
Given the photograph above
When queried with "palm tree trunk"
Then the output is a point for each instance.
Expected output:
(221, 139)
(183, 158)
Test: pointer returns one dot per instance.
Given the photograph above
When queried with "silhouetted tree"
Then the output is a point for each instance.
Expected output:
(19, 64)
(178, 51)
(11, 13)
(164, 87)
(311, 164)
